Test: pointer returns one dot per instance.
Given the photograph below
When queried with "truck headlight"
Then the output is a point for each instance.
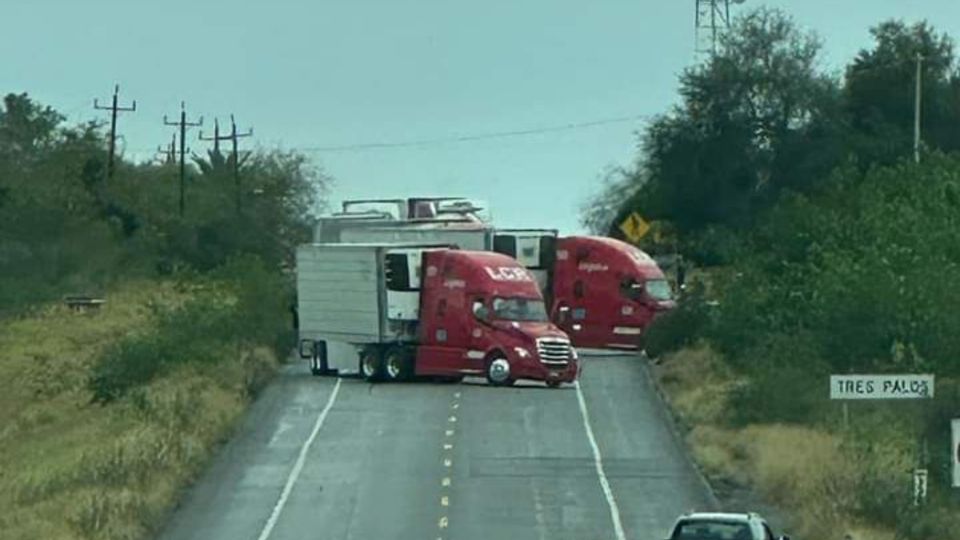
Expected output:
(521, 352)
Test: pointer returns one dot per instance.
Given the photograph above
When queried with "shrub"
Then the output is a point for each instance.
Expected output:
(678, 328)
(786, 382)
(242, 307)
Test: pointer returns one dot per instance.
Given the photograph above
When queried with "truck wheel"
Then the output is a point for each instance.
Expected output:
(371, 365)
(398, 365)
(498, 370)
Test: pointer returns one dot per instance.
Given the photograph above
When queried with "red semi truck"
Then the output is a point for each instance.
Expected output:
(426, 310)
(601, 291)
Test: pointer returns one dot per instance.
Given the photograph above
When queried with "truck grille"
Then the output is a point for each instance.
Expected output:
(553, 350)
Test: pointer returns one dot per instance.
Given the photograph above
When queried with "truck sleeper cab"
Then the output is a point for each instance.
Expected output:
(409, 311)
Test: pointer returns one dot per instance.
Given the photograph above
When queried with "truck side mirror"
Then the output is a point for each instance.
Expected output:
(480, 311)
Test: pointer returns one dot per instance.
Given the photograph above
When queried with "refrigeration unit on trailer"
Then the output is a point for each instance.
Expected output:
(407, 310)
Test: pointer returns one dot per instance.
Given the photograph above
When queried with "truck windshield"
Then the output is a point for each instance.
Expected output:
(519, 309)
(658, 289)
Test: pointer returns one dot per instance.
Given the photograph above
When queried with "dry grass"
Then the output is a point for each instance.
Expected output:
(76, 470)
(806, 471)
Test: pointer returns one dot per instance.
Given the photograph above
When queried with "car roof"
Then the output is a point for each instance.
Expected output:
(721, 516)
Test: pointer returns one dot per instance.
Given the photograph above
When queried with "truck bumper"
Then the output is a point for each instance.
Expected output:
(544, 372)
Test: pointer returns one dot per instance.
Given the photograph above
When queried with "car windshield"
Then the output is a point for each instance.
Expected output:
(712, 530)
(519, 309)
(658, 289)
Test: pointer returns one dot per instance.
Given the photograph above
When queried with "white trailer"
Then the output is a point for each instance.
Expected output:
(344, 300)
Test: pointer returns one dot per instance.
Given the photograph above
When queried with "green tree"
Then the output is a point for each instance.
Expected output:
(756, 119)
(880, 89)
(66, 229)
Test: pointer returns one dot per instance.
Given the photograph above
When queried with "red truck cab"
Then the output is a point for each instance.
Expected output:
(482, 313)
(606, 292)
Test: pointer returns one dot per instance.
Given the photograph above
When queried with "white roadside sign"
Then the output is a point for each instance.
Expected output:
(881, 386)
(955, 451)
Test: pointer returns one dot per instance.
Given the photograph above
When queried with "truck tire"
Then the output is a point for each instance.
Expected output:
(371, 364)
(498, 370)
(398, 364)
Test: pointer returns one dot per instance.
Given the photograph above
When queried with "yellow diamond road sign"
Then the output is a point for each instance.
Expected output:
(634, 227)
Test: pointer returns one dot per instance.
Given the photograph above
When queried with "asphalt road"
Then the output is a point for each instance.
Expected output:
(324, 458)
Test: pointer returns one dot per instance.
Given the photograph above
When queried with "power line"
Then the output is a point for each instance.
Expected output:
(475, 137)
(439, 140)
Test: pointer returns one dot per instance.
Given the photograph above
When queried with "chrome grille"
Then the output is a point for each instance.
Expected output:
(553, 350)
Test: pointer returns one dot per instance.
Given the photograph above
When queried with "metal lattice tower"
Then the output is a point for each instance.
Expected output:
(712, 18)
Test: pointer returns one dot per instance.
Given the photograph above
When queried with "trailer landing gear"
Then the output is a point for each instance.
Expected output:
(318, 360)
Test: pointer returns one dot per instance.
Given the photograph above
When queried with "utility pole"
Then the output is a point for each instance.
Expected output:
(234, 139)
(169, 153)
(114, 109)
(916, 110)
(183, 125)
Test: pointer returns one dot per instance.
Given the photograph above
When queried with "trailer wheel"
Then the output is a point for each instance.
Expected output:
(398, 364)
(371, 364)
(498, 370)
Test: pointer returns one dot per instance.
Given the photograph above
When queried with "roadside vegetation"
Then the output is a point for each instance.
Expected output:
(106, 415)
(827, 250)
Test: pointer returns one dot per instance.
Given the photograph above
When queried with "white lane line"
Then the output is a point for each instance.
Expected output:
(598, 461)
(298, 466)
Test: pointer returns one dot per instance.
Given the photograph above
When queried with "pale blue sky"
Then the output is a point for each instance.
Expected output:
(336, 72)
